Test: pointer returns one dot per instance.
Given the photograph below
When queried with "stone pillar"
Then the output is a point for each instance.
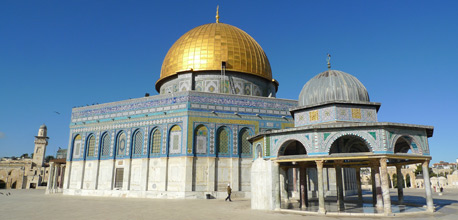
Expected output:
(405, 182)
(303, 180)
(358, 183)
(400, 182)
(294, 179)
(339, 186)
(391, 182)
(319, 169)
(283, 185)
(429, 193)
(385, 187)
(378, 188)
(374, 186)
(277, 185)
(55, 177)
(211, 162)
(50, 178)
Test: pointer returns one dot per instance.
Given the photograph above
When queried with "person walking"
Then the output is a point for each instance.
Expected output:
(229, 191)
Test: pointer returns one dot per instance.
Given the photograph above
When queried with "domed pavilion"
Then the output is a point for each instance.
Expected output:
(336, 133)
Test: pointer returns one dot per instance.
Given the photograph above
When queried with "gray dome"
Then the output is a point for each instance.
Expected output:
(332, 85)
(43, 126)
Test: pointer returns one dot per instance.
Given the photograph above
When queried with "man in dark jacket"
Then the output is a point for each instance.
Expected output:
(229, 191)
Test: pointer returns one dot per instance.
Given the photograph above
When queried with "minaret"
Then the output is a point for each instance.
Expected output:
(41, 141)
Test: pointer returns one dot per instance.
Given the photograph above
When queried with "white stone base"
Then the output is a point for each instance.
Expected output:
(154, 194)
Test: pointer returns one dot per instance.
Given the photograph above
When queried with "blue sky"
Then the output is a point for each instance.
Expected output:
(55, 55)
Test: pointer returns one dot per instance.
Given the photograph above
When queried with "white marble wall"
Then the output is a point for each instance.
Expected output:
(173, 177)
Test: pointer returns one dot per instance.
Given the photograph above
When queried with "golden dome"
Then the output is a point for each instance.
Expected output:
(205, 47)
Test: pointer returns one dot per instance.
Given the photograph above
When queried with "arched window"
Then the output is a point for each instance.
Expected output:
(175, 140)
(223, 141)
(155, 142)
(245, 146)
(77, 146)
(91, 146)
(105, 145)
(201, 139)
(137, 143)
(121, 144)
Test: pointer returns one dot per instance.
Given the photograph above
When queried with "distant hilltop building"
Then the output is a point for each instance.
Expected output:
(26, 173)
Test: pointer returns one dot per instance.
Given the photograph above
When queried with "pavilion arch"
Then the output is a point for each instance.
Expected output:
(258, 151)
(404, 143)
(201, 139)
(291, 147)
(361, 136)
(349, 144)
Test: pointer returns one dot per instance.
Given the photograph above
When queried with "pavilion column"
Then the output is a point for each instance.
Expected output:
(340, 195)
(50, 178)
(303, 181)
(429, 193)
(319, 169)
(55, 176)
(283, 185)
(385, 187)
(400, 182)
(405, 181)
(374, 186)
(294, 179)
(378, 200)
(391, 182)
(358, 184)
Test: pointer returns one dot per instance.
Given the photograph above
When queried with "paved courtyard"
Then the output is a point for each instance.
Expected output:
(34, 204)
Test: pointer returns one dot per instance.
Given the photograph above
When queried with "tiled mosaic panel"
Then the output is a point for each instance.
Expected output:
(121, 144)
(105, 144)
(156, 142)
(91, 146)
(246, 146)
(137, 143)
(223, 141)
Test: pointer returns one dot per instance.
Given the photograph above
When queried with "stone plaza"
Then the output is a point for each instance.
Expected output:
(34, 204)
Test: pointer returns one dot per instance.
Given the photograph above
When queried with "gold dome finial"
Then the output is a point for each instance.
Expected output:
(217, 14)
(329, 61)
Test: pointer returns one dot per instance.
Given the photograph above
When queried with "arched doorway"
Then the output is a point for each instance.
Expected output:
(293, 175)
(347, 180)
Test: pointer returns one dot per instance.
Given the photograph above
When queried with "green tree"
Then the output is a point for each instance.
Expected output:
(48, 158)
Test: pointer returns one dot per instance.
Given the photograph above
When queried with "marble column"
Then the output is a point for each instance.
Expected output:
(283, 185)
(55, 177)
(358, 184)
(319, 168)
(50, 178)
(400, 182)
(378, 187)
(385, 186)
(339, 186)
(429, 193)
(374, 186)
(303, 178)
(294, 179)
